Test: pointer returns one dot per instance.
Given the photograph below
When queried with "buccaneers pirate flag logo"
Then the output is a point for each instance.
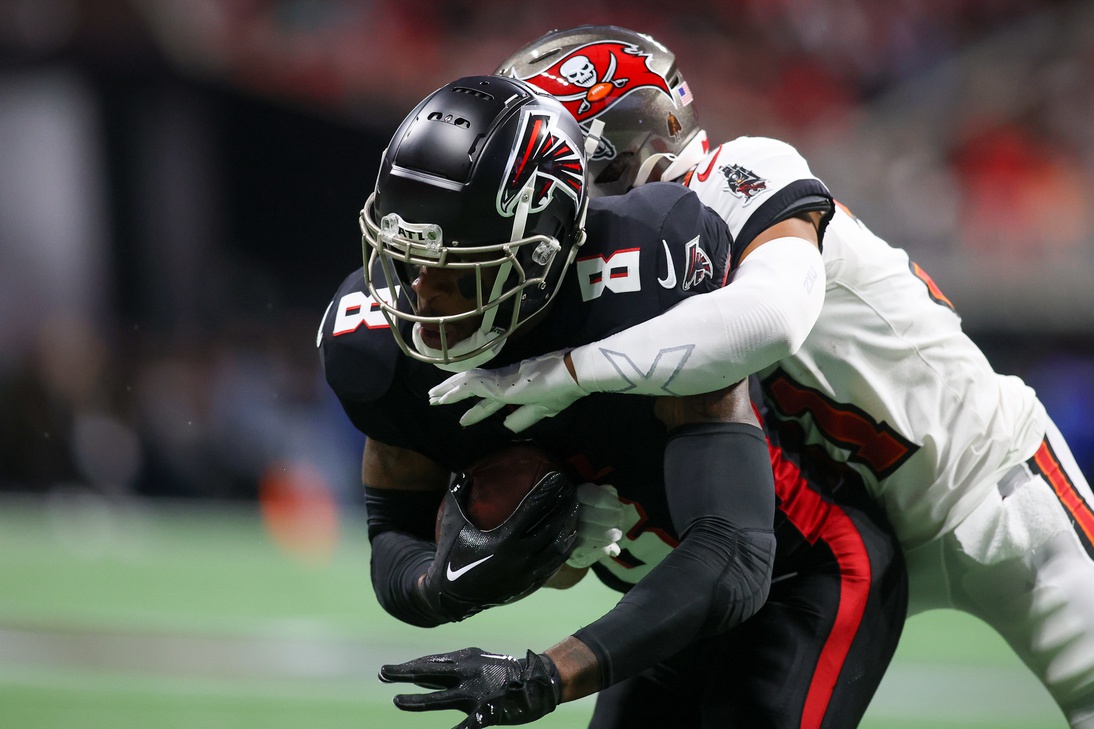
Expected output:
(743, 183)
(591, 78)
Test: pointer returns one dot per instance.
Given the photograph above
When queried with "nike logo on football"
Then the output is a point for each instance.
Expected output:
(454, 575)
(670, 280)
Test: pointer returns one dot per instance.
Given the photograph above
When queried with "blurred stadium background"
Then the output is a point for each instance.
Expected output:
(180, 526)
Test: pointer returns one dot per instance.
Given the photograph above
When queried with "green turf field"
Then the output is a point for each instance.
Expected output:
(179, 617)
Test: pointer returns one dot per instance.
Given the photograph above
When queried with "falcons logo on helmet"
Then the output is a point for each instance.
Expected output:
(545, 156)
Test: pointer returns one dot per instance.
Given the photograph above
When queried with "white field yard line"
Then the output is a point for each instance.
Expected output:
(265, 662)
(979, 695)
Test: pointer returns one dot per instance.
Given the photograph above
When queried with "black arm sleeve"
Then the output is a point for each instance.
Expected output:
(722, 497)
(400, 530)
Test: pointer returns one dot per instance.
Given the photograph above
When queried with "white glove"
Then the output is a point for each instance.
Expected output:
(542, 386)
(599, 525)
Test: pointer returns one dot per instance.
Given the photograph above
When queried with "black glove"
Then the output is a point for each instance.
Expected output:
(491, 689)
(475, 569)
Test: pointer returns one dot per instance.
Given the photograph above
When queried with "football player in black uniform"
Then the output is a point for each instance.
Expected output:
(750, 601)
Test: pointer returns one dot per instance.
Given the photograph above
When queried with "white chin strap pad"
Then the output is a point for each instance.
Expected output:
(689, 156)
(473, 342)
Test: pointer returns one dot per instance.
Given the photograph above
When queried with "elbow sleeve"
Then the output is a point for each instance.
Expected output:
(717, 578)
(742, 587)
(400, 531)
(722, 498)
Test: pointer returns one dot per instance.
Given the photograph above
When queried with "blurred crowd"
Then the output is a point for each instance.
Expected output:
(130, 220)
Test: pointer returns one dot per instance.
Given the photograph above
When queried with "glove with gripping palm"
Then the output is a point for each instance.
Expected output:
(492, 689)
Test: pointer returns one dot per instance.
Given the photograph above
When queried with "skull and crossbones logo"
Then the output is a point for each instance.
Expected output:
(580, 71)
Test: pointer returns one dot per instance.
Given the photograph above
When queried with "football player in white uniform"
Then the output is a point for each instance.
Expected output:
(861, 360)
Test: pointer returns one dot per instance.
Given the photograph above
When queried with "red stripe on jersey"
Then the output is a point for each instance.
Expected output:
(876, 445)
(817, 519)
(1049, 466)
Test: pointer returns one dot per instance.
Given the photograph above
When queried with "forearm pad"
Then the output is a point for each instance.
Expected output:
(713, 340)
(398, 562)
(721, 494)
(401, 530)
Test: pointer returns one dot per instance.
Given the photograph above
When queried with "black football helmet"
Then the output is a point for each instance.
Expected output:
(486, 174)
(628, 81)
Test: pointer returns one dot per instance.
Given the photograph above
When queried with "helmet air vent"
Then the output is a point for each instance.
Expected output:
(458, 121)
(473, 92)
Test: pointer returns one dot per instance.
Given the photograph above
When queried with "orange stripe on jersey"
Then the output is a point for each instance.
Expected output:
(1081, 514)
(932, 288)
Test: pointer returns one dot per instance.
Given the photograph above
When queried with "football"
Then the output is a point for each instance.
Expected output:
(496, 484)
(514, 510)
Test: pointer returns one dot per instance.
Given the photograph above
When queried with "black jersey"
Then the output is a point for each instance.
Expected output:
(838, 595)
(645, 252)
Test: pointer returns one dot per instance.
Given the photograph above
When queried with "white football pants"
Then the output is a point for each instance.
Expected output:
(1023, 562)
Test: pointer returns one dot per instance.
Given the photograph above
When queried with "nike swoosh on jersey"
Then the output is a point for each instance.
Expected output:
(456, 574)
(710, 166)
(670, 280)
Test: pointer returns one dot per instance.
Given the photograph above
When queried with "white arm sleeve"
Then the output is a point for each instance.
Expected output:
(713, 340)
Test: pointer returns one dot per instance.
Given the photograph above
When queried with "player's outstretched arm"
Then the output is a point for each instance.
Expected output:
(702, 344)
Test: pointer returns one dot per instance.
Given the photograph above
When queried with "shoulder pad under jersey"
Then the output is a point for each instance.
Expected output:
(647, 205)
(359, 354)
(645, 251)
(754, 182)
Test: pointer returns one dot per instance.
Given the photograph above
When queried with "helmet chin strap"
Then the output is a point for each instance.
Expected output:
(477, 339)
(592, 137)
(674, 165)
(664, 159)
(691, 155)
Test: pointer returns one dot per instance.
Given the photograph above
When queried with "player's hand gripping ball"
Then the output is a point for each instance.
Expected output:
(504, 527)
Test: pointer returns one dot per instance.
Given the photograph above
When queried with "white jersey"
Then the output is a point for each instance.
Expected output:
(886, 381)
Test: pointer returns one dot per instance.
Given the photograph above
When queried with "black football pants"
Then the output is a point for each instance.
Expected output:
(812, 657)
